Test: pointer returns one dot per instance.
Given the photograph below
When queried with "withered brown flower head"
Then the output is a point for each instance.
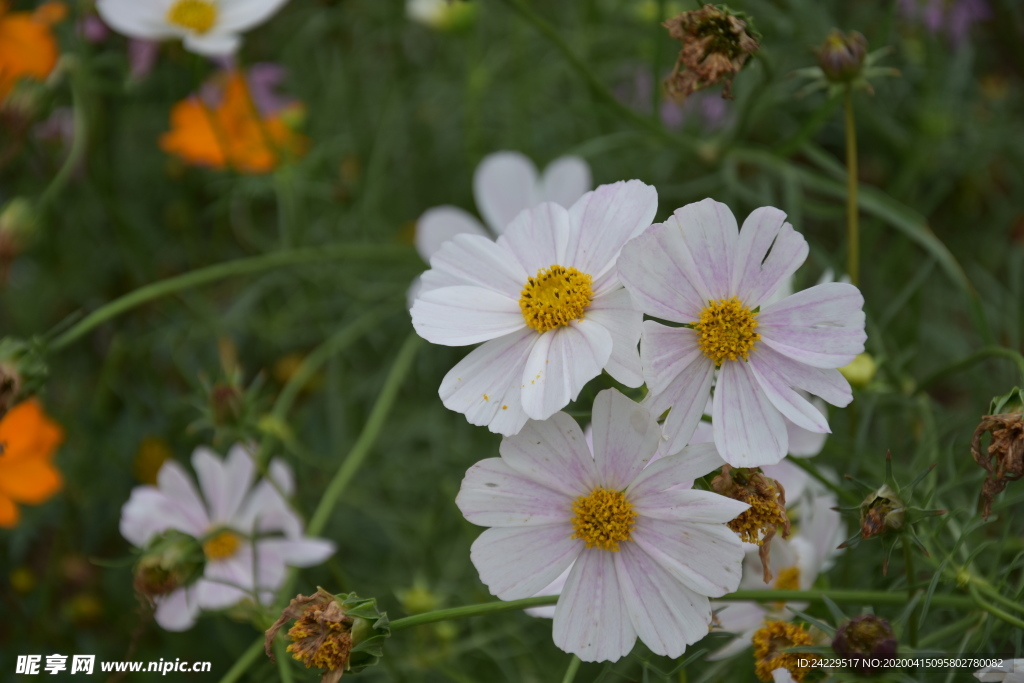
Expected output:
(1004, 457)
(881, 511)
(863, 638)
(10, 382)
(321, 636)
(716, 45)
(767, 511)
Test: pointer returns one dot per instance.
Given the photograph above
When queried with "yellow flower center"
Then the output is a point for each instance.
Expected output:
(726, 330)
(320, 644)
(222, 545)
(764, 514)
(556, 297)
(603, 518)
(195, 15)
(788, 579)
(770, 640)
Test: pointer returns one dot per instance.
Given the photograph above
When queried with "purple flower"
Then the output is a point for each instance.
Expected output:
(952, 18)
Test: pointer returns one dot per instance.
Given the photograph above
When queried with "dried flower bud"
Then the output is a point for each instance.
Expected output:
(842, 55)
(226, 404)
(716, 44)
(10, 386)
(1004, 457)
(880, 512)
(336, 633)
(170, 561)
(767, 511)
(865, 636)
(769, 642)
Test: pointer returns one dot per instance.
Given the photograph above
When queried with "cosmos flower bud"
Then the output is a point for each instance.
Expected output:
(865, 636)
(767, 511)
(842, 55)
(336, 633)
(716, 45)
(1004, 457)
(23, 371)
(170, 561)
(881, 511)
(861, 371)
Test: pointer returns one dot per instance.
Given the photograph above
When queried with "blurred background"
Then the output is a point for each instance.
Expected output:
(395, 107)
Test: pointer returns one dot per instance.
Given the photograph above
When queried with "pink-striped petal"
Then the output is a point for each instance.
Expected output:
(822, 326)
(474, 260)
(688, 505)
(591, 620)
(604, 220)
(555, 453)
(769, 252)
(561, 363)
(655, 269)
(707, 558)
(711, 235)
(668, 472)
(516, 562)
(615, 313)
(538, 238)
(625, 438)
(749, 430)
(459, 316)
(792, 404)
(495, 495)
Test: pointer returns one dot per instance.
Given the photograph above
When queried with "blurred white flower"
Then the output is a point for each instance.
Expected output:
(249, 534)
(1013, 672)
(207, 27)
(441, 15)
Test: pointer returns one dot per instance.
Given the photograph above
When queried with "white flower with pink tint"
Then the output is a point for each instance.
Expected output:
(249, 534)
(645, 557)
(698, 269)
(546, 299)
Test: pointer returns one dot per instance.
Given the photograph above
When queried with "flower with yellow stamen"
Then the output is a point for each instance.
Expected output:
(769, 643)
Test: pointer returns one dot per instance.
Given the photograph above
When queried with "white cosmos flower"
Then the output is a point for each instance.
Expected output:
(699, 269)
(546, 299)
(1012, 672)
(504, 184)
(644, 557)
(207, 27)
(249, 533)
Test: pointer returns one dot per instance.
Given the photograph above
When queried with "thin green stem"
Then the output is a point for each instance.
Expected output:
(908, 559)
(599, 88)
(956, 628)
(992, 609)
(79, 137)
(812, 125)
(570, 673)
(852, 227)
(374, 424)
(293, 257)
(467, 611)
(284, 669)
(243, 663)
(977, 356)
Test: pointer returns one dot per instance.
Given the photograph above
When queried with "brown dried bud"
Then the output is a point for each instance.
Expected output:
(10, 387)
(880, 512)
(1004, 457)
(841, 56)
(767, 511)
(226, 404)
(171, 560)
(865, 636)
(716, 45)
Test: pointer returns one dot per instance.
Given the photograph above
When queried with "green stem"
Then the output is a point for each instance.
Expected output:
(570, 673)
(979, 355)
(374, 424)
(79, 138)
(599, 88)
(220, 271)
(284, 669)
(243, 663)
(908, 559)
(852, 228)
(812, 125)
(993, 610)
(956, 628)
(472, 611)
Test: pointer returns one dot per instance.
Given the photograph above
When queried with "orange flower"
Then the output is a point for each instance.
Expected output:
(28, 440)
(231, 133)
(27, 46)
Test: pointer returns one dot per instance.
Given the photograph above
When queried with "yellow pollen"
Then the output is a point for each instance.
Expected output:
(764, 514)
(770, 640)
(726, 330)
(222, 546)
(195, 15)
(603, 518)
(556, 297)
(788, 579)
(319, 645)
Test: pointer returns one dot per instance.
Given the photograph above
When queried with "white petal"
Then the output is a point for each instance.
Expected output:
(591, 620)
(538, 238)
(625, 438)
(178, 610)
(749, 430)
(822, 326)
(440, 224)
(666, 614)
(615, 313)
(493, 494)
(561, 363)
(792, 404)
(711, 236)
(516, 562)
(553, 588)
(555, 453)
(149, 512)
(665, 473)
(240, 471)
(458, 316)
(235, 16)
(504, 184)
(760, 272)
(282, 475)
(827, 383)
(665, 352)
(604, 220)
(683, 505)
(213, 480)
(654, 267)
(213, 44)
(177, 485)
(145, 20)
(486, 385)
(227, 582)
(706, 557)
(475, 260)
(565, 180)
(782, 676)
(299, 552)
(739, 618)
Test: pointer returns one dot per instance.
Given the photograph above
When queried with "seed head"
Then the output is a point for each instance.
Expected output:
(1004, 457)
(865, 636)
(716, 44)
(767, 511)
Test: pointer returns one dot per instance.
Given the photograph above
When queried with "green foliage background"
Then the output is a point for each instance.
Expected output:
(409, 112)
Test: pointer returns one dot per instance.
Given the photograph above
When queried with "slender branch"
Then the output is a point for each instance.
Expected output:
(243, 663)
(570, 673)
(908, 559)
(472, 611)
(79, 137)
(220, 271)
(852, 227)
(992, 609)
(979, 355)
